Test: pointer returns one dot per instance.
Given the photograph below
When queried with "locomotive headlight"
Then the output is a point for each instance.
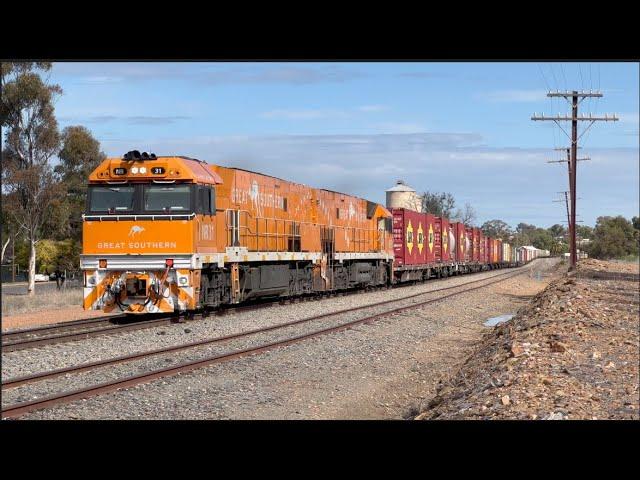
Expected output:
(183, 280)
(134, 170)
(143, 170)
(91, 280)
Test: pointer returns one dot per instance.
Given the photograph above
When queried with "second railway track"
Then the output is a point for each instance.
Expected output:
(152, 374)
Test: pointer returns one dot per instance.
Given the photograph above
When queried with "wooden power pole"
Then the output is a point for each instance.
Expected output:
(576, 97)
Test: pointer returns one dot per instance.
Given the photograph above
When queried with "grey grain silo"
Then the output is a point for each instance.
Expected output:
(403, 196)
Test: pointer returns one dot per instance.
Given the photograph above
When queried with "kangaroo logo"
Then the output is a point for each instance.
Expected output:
(135, 230)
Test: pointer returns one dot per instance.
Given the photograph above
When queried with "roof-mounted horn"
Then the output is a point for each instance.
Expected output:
(132, 155)
(136, 155)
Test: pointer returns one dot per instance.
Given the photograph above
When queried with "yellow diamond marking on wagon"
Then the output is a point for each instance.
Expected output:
(410, 237)
(420, 238)
(431, 240)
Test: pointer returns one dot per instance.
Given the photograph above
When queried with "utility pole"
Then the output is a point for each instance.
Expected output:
(576, 97)
(566, 201)
(568, 161)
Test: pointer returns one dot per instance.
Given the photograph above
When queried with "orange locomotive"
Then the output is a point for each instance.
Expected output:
(165, 234)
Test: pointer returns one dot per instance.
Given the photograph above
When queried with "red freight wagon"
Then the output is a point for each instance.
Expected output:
(461, 242)
(448, 242)
(445, 239)
(431, 246)
(476, 237)
(409, 235)
(487, 249)
(468, 245)
(437, 242)
(491, 250)
(498, 250)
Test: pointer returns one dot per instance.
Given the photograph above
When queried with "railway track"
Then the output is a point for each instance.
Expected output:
(19, 409)
(93, 327)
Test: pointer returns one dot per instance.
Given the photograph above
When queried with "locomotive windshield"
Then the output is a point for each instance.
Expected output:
(167, 198)
(154, 199)
(116, 199)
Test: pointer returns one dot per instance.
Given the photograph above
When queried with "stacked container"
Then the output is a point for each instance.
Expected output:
(483, 247)
(408, 237)
(477, 236)
(462, 244)
(431, 246)
(446, 255)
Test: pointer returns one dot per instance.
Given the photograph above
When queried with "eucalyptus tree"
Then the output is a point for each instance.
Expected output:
(31, 139)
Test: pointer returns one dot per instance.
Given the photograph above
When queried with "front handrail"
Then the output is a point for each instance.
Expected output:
(139, 216)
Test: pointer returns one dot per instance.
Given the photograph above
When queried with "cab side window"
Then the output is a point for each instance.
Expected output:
(205, 200)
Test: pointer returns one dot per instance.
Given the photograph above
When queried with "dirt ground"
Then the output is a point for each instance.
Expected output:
(573, 353)
(44, 317)
(437, 357)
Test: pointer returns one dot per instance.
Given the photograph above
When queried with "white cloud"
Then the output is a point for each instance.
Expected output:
(308, 114)
(318, 113)
(100, 80)
(210, 73)
(400, 128)
(373, 108)
(513, 96)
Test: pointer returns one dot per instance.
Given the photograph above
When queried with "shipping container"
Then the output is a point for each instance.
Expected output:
(462, 243)
(492, 250)
(437, 242)
(477, 236)
(506, 252)
(471, 242)
(408, 237)
(431, 246)
(446, 254)
(453, 242)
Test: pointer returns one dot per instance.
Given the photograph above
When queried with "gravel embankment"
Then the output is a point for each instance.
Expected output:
(272, 385)
(572, 354)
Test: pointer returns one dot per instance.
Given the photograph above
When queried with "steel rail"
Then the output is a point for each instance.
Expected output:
(81, 335)
(59, 326)
(19, 409)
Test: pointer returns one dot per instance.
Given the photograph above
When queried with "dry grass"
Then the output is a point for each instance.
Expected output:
(41, 301)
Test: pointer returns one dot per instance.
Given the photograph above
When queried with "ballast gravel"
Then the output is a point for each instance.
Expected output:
(340, 375)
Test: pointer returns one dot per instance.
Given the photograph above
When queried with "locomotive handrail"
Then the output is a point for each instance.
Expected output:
(243, 232)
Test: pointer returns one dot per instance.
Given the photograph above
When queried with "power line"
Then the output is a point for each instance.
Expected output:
(565, 78)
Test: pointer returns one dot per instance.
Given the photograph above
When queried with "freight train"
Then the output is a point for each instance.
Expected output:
(175, 234)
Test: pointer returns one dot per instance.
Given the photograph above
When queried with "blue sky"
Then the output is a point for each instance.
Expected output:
(357, 127)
